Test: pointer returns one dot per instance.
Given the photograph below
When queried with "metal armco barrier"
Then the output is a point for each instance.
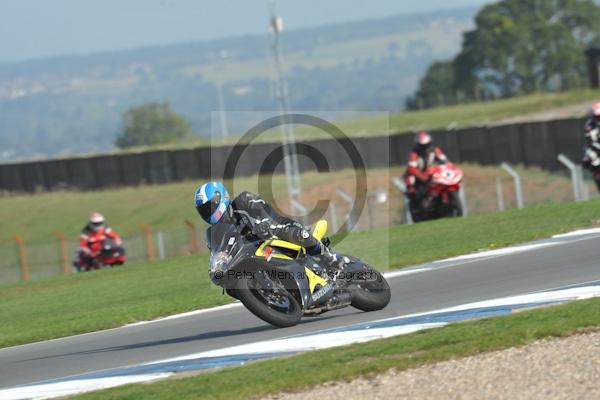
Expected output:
(529, 144)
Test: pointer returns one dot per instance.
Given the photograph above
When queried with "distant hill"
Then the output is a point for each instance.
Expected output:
(73, 104)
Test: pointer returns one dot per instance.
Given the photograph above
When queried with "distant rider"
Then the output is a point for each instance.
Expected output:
(92, 237)
(258, 218)
(591, 155)
(423, 156)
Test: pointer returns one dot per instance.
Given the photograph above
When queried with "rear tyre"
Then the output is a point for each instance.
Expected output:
(278, 306)
(371, 294)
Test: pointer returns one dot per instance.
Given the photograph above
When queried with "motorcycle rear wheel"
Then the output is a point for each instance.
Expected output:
(371, 294)
(277, 307)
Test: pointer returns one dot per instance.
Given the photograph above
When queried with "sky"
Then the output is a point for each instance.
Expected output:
(41, 28)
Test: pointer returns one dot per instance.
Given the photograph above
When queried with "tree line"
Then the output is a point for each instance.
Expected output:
(517, 47)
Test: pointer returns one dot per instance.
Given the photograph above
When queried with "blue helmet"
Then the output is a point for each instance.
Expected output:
(212, 200)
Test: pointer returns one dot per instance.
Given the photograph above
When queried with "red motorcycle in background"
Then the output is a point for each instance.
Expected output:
(110, 255)
(440, 197)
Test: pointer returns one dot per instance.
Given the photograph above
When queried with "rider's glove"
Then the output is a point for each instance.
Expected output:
(263, 229)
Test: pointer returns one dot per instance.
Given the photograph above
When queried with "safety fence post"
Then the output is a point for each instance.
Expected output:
(462, 195)
(518, 186)
(575, 179)
(499, 194)
(380, 196)
(352, 221)
(149, 241)
(64, 254)
(333, 217)
(160, 243)
(194, 247)
(406, 203)
(583, 189)
(296, 205)
(23, 262)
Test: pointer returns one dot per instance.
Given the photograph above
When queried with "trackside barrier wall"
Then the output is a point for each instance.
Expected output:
(529, 144)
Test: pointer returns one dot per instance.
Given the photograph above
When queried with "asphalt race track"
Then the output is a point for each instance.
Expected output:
(568, 260)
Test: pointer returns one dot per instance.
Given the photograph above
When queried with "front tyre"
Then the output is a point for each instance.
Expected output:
(275, 305)
(456, 209)
(372, 293)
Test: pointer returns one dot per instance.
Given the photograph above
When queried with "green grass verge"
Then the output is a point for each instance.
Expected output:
(460, 116)
(37, 217)
(483, 113)
(79, 303)
(344, 363)
(97, 300)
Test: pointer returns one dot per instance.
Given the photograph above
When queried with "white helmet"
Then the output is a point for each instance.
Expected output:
(96, 221)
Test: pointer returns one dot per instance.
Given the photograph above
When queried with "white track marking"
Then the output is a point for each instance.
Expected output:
(299, 344)
(236, 304)
(578, 233)
(404, 272)
(69, 388)
(498, 252)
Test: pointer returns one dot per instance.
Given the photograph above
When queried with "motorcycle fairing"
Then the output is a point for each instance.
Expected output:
(276, 244)
(319, 232)
(298, 275)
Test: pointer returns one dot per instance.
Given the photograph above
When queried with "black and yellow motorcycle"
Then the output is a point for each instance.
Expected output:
(279, 283)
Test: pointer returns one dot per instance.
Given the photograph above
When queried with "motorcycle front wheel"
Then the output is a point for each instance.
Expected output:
(455, 204)
(269, 300)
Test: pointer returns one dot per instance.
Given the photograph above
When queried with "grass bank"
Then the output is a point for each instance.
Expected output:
(457, 116)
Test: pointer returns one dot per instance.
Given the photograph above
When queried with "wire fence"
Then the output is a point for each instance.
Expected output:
(43, 259)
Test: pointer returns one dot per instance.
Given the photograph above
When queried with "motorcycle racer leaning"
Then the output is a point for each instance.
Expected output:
(591, 154)
(422, 156)
(91, 238)
(257, 217)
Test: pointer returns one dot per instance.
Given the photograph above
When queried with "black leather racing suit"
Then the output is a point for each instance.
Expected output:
(256, 215)
(269, 223)
(591, 152)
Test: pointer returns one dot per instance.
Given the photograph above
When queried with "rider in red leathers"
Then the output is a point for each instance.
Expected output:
(422, 156)
(92, 238)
